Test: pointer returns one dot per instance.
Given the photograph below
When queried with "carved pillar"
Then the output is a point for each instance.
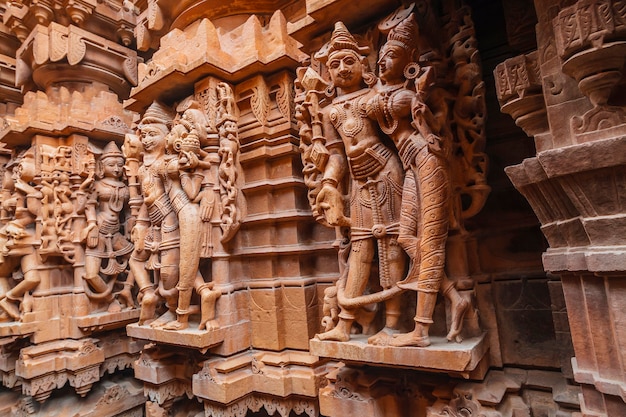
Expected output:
(73, 67)
(269, 270)
(574, 182)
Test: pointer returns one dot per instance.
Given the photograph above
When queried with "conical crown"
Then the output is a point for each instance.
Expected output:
(405, 33)
(341, 39)
(111, 150)
(157, 113)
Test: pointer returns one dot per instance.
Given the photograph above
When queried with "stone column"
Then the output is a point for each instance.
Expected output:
(569, 95)
(271, 272)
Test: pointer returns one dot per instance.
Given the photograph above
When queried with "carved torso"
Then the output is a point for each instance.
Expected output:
(150, 178)
(112, 197)
(348, 115)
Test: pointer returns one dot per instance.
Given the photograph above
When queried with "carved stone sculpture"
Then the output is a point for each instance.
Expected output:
(359, 127)
(103, 235)
(403, 115)
(19, 235)
(180, 195)
(355, 150)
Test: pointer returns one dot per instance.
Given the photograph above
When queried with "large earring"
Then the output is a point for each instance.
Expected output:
(411, 71)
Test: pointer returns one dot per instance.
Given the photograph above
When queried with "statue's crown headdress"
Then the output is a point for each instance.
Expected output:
(404, 34)
(341, 39)
(111, 150)
(157, 113)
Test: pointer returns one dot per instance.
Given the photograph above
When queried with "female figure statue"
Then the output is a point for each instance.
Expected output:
(403, 115)
(103, 234)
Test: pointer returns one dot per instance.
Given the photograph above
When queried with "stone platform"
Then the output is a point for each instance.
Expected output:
(190, 337)
(440, 356)
(224, 340)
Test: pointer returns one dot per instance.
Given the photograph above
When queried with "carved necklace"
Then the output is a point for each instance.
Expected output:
(356, 105)
(382, 106)
(116, 200)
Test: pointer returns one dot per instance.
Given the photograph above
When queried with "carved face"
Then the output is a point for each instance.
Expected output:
(112, 167)
(346, 69)
(153, 136)
(393, 59)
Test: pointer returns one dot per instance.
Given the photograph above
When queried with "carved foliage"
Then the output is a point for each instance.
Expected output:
(469, 162)
(260, 102)
(168, 391)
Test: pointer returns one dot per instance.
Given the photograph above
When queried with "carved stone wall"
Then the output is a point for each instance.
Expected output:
(65, 70)
(567, 95)
(308, 208)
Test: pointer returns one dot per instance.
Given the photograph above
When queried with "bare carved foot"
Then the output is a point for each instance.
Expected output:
(338, 334)
(10, 308)
(163, 320)
(207, 309)
(458, 313)
(382, 338)
(148, 307)
(414, 338)
(127, 298)
(209, 325)
(176, 325)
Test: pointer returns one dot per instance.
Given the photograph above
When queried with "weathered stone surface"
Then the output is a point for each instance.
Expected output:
(577, 192)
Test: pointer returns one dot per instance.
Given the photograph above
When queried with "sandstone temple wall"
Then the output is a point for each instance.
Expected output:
(312, 207)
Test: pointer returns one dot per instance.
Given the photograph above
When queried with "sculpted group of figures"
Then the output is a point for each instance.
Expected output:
(377, 163)
(382, 162)
(130, 224)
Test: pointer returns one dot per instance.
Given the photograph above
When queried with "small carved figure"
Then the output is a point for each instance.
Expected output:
(405, 117)
(233, 206)
(155, 234)
(20, 235)
(376, 175)
(183, 186)
(103, 235)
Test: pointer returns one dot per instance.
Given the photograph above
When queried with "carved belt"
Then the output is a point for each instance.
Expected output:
(160, 208)
(370, 162)
(409, 148)
(377, 231)
(179, 201)
(108, 227)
